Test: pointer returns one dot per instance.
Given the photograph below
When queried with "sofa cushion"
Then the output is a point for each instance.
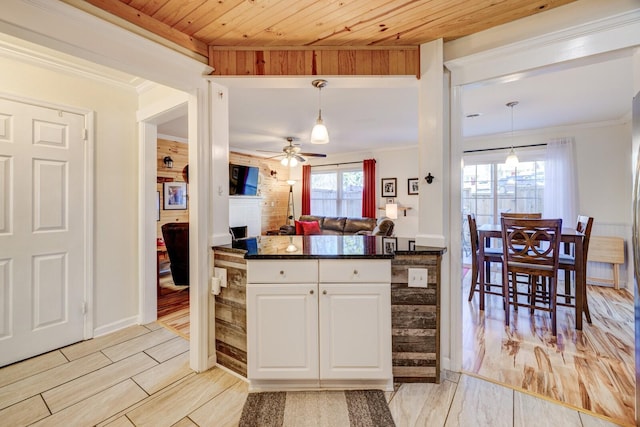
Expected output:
(310, 227)
(301, 224)
(334, 224)
(320, 219)
(354, 225)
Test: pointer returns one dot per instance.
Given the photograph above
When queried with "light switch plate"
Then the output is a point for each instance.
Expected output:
(417, 277)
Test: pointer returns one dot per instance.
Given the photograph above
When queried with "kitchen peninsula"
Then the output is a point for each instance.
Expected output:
(328, 311)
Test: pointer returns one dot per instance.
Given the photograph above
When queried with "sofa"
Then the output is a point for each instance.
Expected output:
(340, 226)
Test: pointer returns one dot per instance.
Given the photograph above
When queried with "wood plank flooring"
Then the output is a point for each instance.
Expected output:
(173, 307)
(140, 376)
(591, 370)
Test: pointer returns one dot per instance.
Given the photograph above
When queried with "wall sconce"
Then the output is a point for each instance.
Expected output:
(429, 178)
(274, 173)
(168, 162)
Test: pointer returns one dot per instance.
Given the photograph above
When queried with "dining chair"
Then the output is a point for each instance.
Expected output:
(521, 215)
(491, 255)
(567, 262)
(531, 247)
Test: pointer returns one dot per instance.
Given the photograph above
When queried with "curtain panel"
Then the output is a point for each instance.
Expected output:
(306, 190)
(369, 189)
(561, 182)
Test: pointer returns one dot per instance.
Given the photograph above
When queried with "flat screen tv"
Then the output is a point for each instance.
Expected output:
(243, 180)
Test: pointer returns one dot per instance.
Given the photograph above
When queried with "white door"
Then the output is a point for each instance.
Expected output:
(355, 331)
(42, 229)
(282, 331)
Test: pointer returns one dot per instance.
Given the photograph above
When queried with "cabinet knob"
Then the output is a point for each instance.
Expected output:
(282, 272)
(355, 272)
(324, 292)
(311, 291)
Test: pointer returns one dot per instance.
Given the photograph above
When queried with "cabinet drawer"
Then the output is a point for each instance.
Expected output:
(281, 271)
(355, 271)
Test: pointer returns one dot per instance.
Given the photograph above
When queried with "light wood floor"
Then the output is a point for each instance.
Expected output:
(592, 369)
(140, 376)
(173, 310)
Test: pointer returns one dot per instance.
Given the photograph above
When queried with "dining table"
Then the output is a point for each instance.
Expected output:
(489, 232)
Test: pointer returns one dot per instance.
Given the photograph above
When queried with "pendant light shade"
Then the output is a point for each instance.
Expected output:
(319, 133)
(512, 159)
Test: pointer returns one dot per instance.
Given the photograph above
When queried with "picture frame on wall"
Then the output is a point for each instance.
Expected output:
(175, 195)
(389, 244)
(389, 187)
(157, 206)
(413, 185)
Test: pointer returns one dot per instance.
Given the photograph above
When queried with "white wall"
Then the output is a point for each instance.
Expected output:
(116, 162)
(400, 163)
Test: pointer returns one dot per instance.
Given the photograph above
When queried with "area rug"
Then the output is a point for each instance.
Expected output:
(355, 408)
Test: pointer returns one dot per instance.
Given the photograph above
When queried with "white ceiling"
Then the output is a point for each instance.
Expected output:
(383, 113)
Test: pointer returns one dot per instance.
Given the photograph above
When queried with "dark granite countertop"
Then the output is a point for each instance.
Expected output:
(327, 247)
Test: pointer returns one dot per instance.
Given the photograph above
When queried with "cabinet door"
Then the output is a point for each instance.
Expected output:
(282, 331)
(355, 331)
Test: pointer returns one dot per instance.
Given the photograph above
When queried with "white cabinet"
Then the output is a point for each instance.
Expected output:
(283, 331)
(355, 331)
(319, 323)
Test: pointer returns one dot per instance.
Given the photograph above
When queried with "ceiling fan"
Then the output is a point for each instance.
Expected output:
(291, 154)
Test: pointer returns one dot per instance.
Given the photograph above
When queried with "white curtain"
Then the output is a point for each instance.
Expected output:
(560, 182)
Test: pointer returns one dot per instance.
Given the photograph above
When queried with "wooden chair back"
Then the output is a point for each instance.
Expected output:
(522, 215)
(532, 244)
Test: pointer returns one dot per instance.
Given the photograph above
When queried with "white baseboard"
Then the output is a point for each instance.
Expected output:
(115, 326)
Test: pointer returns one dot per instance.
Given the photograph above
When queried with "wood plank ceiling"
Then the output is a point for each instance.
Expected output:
(204, 26)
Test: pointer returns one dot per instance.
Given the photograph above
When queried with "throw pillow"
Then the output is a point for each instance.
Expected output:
(310, 228)
(298, 227)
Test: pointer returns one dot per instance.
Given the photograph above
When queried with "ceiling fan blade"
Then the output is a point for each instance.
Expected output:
(300, 158)
(313, 154)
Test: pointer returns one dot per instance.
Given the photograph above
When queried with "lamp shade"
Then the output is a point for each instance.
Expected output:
(391, 210)
(512, 159)
(319, 133)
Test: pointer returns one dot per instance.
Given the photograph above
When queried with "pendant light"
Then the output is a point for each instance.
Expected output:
(319, 133)
(512, 159)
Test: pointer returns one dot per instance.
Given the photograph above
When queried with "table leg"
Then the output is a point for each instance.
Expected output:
(580, 283)
(481, 265)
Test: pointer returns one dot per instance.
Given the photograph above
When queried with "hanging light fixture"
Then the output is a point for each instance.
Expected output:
(319, 133)
(512, 159)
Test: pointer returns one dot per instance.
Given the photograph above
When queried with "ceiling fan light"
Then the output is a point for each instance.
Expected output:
(285, 161)
(319, 133)
(293, 162)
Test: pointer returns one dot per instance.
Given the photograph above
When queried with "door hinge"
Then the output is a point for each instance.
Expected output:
(85, 134)
(84, 307)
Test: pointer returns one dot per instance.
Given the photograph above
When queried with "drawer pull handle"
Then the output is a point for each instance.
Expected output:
(311, 292)
(355, 272)
(324, 292)
(282, 272)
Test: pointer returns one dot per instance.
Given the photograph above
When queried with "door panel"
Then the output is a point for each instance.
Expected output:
(42, 229)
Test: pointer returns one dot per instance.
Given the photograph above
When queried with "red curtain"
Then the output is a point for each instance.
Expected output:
(369, 189)
(306, 190)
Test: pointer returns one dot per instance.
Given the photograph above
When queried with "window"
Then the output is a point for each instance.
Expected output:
(490, 189)
(337, 192)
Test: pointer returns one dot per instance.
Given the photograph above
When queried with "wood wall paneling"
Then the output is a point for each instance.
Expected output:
(307, 62)
(231, 314)
(273, 189)
(415, 320)
(179, 152)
